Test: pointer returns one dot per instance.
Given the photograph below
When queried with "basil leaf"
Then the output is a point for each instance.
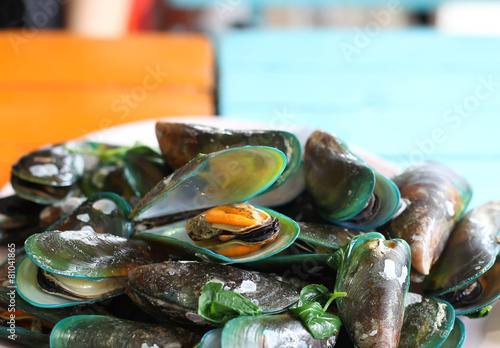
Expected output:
(320, 324)
(483, 312)
(336, 260)
(314, 293)
(219, 306)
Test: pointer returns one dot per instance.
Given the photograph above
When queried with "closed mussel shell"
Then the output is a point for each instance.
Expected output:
(48, 174)
(478, 293)
(340, 183)
(470, 251)
(180, 143)
(102, 213)
(284, 330)
(434, 198)
(427, 322)
(376, 282)
(345, 189)
(170, 290)
(108, 332)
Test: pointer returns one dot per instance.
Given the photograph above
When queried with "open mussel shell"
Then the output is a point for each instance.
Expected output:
(285, 193)
(456, 338)
(175, 237)
(434, 197)
(478, 293)
(376, 281)
(470, 251)
(85, 254)
(27, 286)
(102, 213)
(180, 143)
(427, 322)
(170, 290)
(102, 331)
(229, 176)
(48, 174)
(345, 189)
(283, 330)
(25, 337)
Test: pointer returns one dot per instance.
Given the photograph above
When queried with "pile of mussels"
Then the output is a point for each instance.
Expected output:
(120, 242)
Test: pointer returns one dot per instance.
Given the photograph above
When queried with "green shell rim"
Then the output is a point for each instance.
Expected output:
(379, 179)
(135, 214)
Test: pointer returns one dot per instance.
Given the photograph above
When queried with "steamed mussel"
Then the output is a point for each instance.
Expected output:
(468, 279)
(233, 230)
(434, 198)
(345, 189)
(202, 212)
(170, 290)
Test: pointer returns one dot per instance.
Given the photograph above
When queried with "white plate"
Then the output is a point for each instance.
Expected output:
(481, 333)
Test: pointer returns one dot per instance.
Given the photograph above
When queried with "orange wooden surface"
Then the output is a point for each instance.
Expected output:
(55, 86)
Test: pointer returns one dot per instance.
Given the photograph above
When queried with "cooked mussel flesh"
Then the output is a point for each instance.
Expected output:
(234, 229)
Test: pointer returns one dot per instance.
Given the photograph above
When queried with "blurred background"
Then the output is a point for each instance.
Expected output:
(408, 80)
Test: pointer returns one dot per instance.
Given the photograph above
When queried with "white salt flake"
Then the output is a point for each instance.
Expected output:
(107, 206)
(44, 170)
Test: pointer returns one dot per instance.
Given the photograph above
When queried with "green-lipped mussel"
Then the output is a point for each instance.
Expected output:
(460, 274)
(276, 331)
(170, 290)
(233, 229)
(345, 189)
(53, 173)
(106, 332)
(47, 175)
(434, 197)
(87, 267)
(375, 279)
(224, 177)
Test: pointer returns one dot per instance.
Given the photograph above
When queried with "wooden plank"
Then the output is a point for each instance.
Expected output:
(56, 86)
(55, 57)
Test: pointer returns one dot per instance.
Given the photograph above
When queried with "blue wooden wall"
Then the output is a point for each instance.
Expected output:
(404, 95)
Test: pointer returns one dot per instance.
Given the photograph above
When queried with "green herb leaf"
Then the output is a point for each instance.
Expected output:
(314, 293)
(320, 324)
(337, 259)
(483, 312)
(219, 306)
